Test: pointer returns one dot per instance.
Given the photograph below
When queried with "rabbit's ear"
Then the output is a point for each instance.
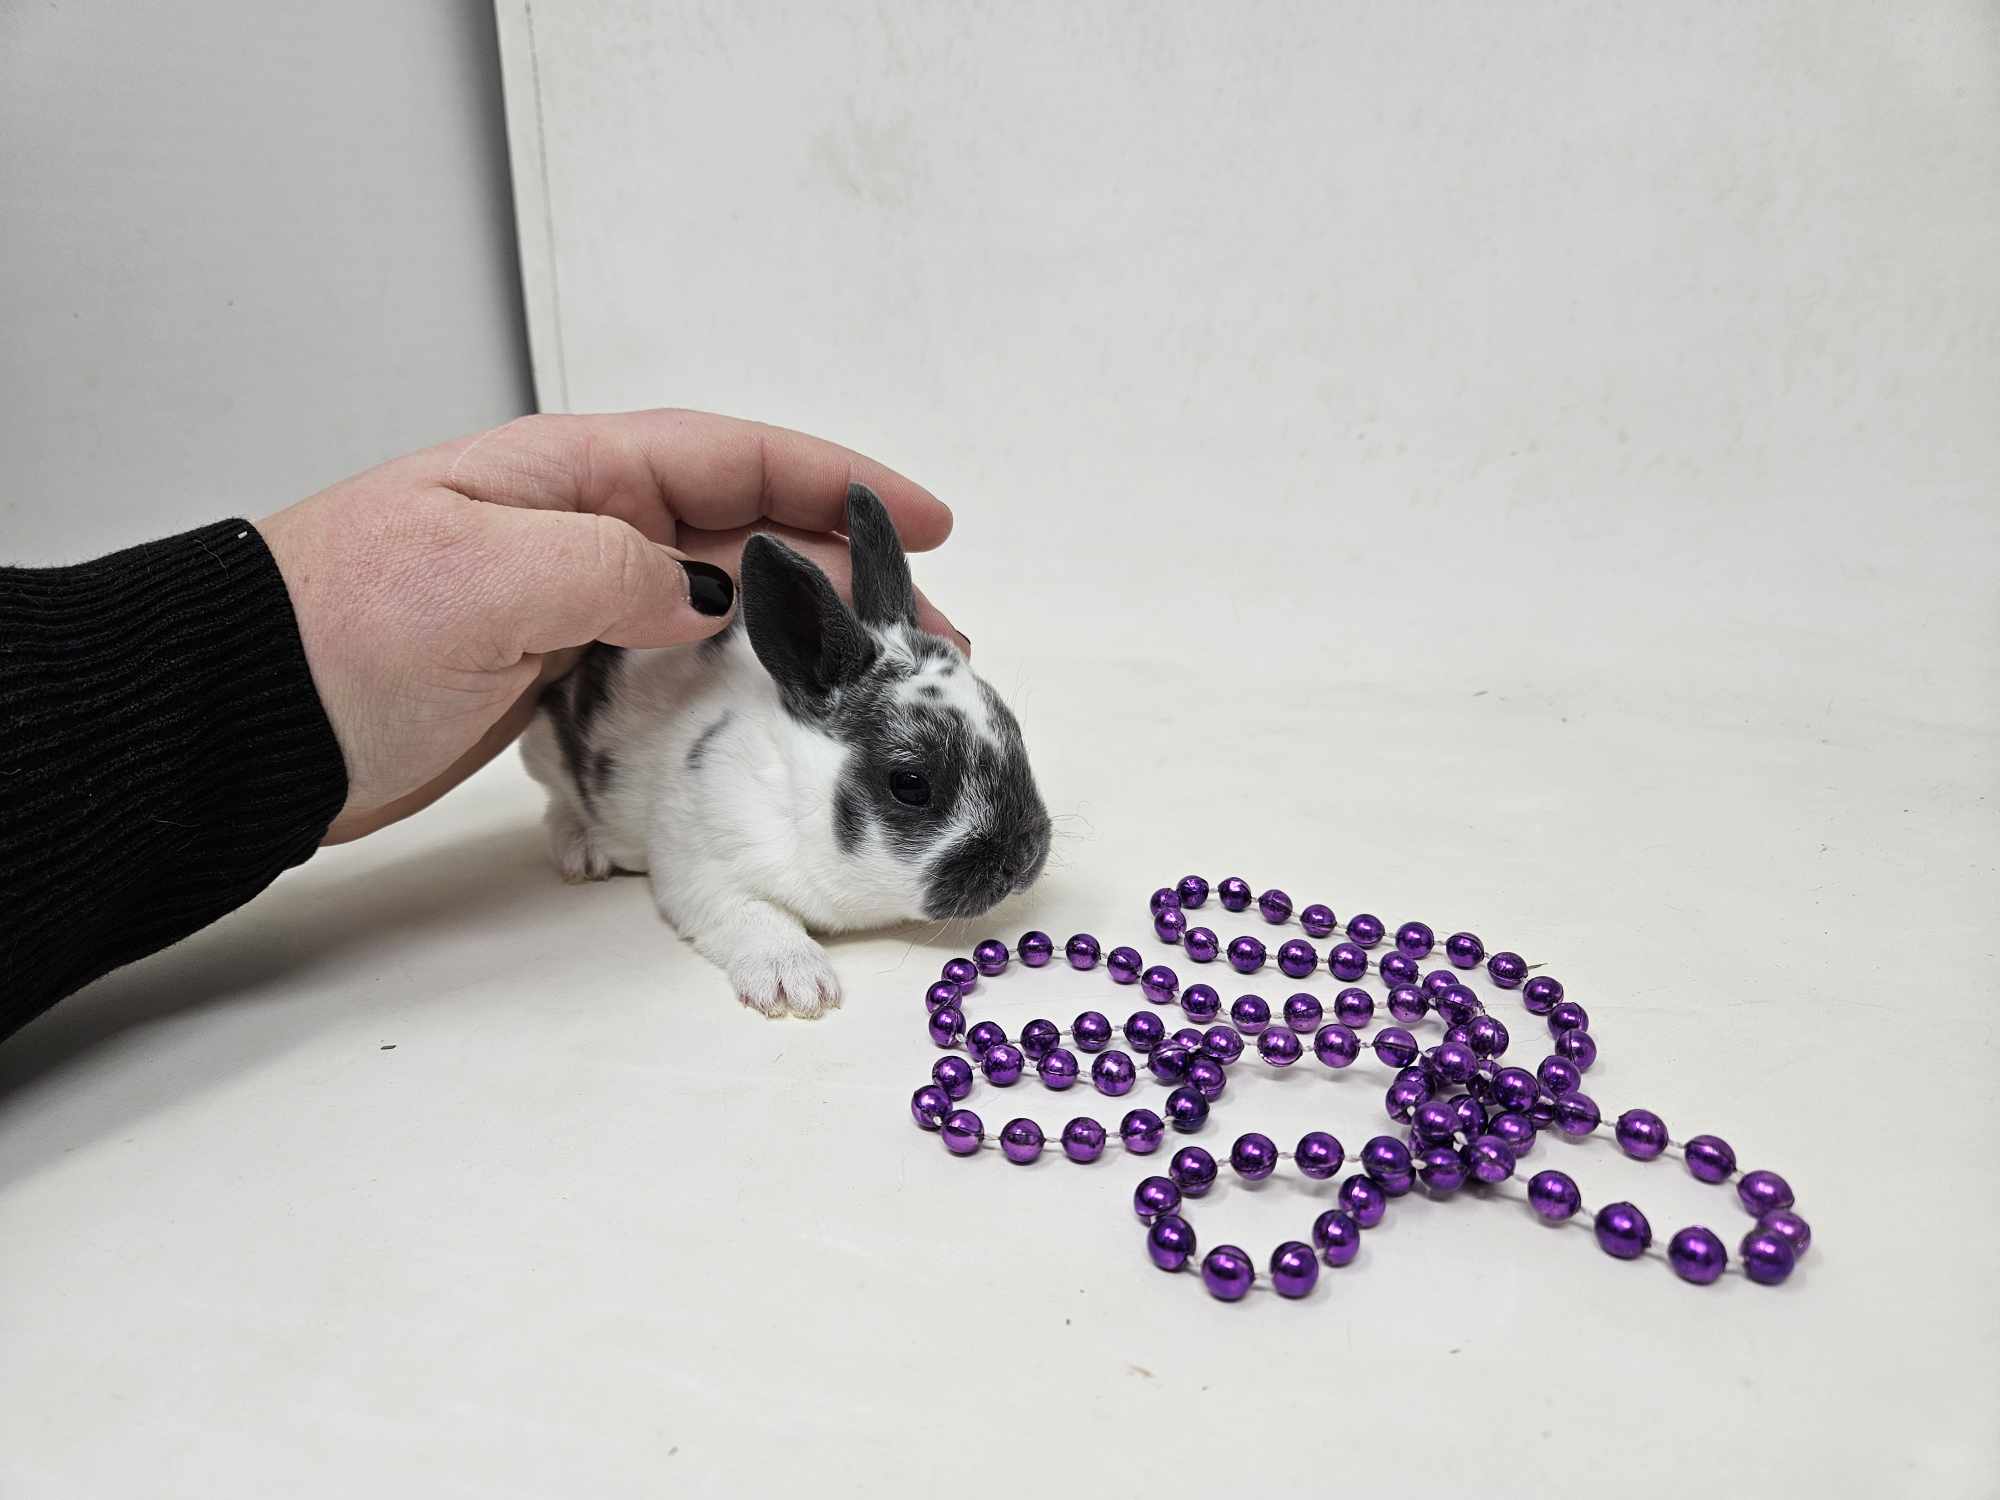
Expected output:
(883, 593)
(808, 640)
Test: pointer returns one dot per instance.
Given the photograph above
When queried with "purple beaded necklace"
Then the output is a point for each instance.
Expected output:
(1468, 1118)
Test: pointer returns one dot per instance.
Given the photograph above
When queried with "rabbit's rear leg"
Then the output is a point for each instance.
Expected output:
(576, 845)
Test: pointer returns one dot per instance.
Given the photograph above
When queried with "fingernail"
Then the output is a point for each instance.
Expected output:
(710, 590)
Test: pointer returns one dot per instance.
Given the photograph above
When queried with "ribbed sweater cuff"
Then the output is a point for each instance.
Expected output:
(163, 754)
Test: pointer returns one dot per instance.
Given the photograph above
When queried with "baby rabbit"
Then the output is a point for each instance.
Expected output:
(811, 766)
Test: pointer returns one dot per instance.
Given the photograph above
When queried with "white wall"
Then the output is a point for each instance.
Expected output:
(245, 248)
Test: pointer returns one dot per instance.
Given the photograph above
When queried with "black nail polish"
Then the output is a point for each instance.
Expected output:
(710, 590)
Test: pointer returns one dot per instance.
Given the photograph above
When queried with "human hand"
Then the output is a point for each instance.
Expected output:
(437, 594)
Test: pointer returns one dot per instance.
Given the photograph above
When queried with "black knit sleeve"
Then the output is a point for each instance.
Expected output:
(163, 754)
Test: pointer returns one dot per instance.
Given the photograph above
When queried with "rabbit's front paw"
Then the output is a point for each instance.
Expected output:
(787, 977)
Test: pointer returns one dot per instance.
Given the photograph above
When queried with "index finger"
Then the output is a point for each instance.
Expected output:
(652, 469)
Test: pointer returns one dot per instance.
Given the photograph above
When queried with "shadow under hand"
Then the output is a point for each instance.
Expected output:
(308, 918)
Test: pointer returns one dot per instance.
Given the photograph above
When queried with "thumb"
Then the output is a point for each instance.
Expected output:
(569, 578)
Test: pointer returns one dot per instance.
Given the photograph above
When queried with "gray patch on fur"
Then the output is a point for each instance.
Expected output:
(700, 746)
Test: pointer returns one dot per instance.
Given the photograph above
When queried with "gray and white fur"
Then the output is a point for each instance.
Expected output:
(813, 766)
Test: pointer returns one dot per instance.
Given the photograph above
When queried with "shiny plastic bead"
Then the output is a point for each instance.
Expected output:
(1250, 1014)
(1254, 1156)
(1568, 1016)
(1035, 949)
(1408, 1004)
(1577, 1114)
(1083, 1139)
(1386, 1160)
(1554, 1196)
(1144, 1031)
(1021, 1141)
(928, 1107)
(1364, 1200)
(1487, 1036)
(1208, 1077)
(1002, 1065)
(1274, 906)
(1200, 1002)
(1058, 1069)
(1490, 1159)
(1365, 929)
(1039, 1038)
(1227, 1273)
(1170, 1242)
(1201, 945)
(1160, 984)
(1193, 891)
(1192, 1170)
(1234, 894)
(1303, 1012)
(1577, 1047)
(962, 972)
(1155, 1196)
(1641, 1134)
(1398, 969)
(962, 1132)
(1169, 1061)
(1123, 965)
(1318, 1155)
(1559, 1076)
(1789, 1227)
(1091, 1031)
(1395, 1046)
(1279, 1047)
(1297, 958)
(1464, 950)
(1082, 951)
(1294, 1269)
(947, 1026)
(1187, 1111)
(1767, 1258)
(1246, 955)
(1415, 939)
(954, 1075)
(1170, 925)
(1142, 1131)
(1759, 1192)
(1345, 961)
(1541, 994)
(1113, 1074)
(1223, 1043)
(1622, 1231)
(1710, 1159)
(940, 995)
(1442, 1171)
(1697, 1255)
(991, 956)
(1318, 921)
(1354, 1007)
(1338, 1236)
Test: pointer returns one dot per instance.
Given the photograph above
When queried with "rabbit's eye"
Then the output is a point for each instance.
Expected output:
(911, 788)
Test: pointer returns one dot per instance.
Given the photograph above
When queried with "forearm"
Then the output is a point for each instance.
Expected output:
(163, 754)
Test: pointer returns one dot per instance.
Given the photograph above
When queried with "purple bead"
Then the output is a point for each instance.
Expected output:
(1317, 920)
(1297, 958)
(1246, 955)
(1490, 1159)
(1200, 945)
(1364, 1200)
(1437, 982)
(1193, 891)
(1336, 1046)
(1403, 1096)
(1199, 1002)
(1250, 1014)
(1021, 1141)
(1193, 1171)
(1155, 1196)
(1169, 1061)
(1058, 1069)
(1039, 1039)
(1365, 929)
(1160, 984)
(1354, 1007)
(1486, 1036)
(1767, 1258)
(1577, 1047)
(1541, 994)
(1398, 969)
(940, 995)
(1788, 1227)
(1144, 1031)
(1188, 1037)
(1294, 1270)
(1337, 1235)
(1274, 906)
(1568, 1016)
(1759, 1192)
(1254, 1156)
(953, 1075)
(1035, 949)
(1002, 1065)
(962, 1132)
(1395, 1046)
(1507, 969)
(1464, 950)
(1303, 1012)
(928, 1106)
(947, 1026)
(1415, 939)
(1459, 1035)
(1279, 1048)
(1234, 894)
(1170, 925)
(1559, 1076)
(1346, 962)
(1696, 1254)
(1408, 1004)
(1187, 1111)
(991, 956)
(1471, 1115)
(1441, 1170)
(1386, 1160)
(1455, 1062)
(1227, 1273)
(983, 1038)
(1434, 1122)
(1223, 1043)
(1517, 1130)
(1457, 1005)
(1170, 1242)
(1554, 1196)
(1113, 1074)
(1142, 1131)
(962, 972)
(1641, 1134)
(1123, 965)
(1082, 951)
(1091, 1031)
(1083, 1139)
(1166, 898)
(1207, 1077)
(1318, 1155)
(1622, 1231)
(1709, 1159)
(1541, 1112)
(1577, 1114)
